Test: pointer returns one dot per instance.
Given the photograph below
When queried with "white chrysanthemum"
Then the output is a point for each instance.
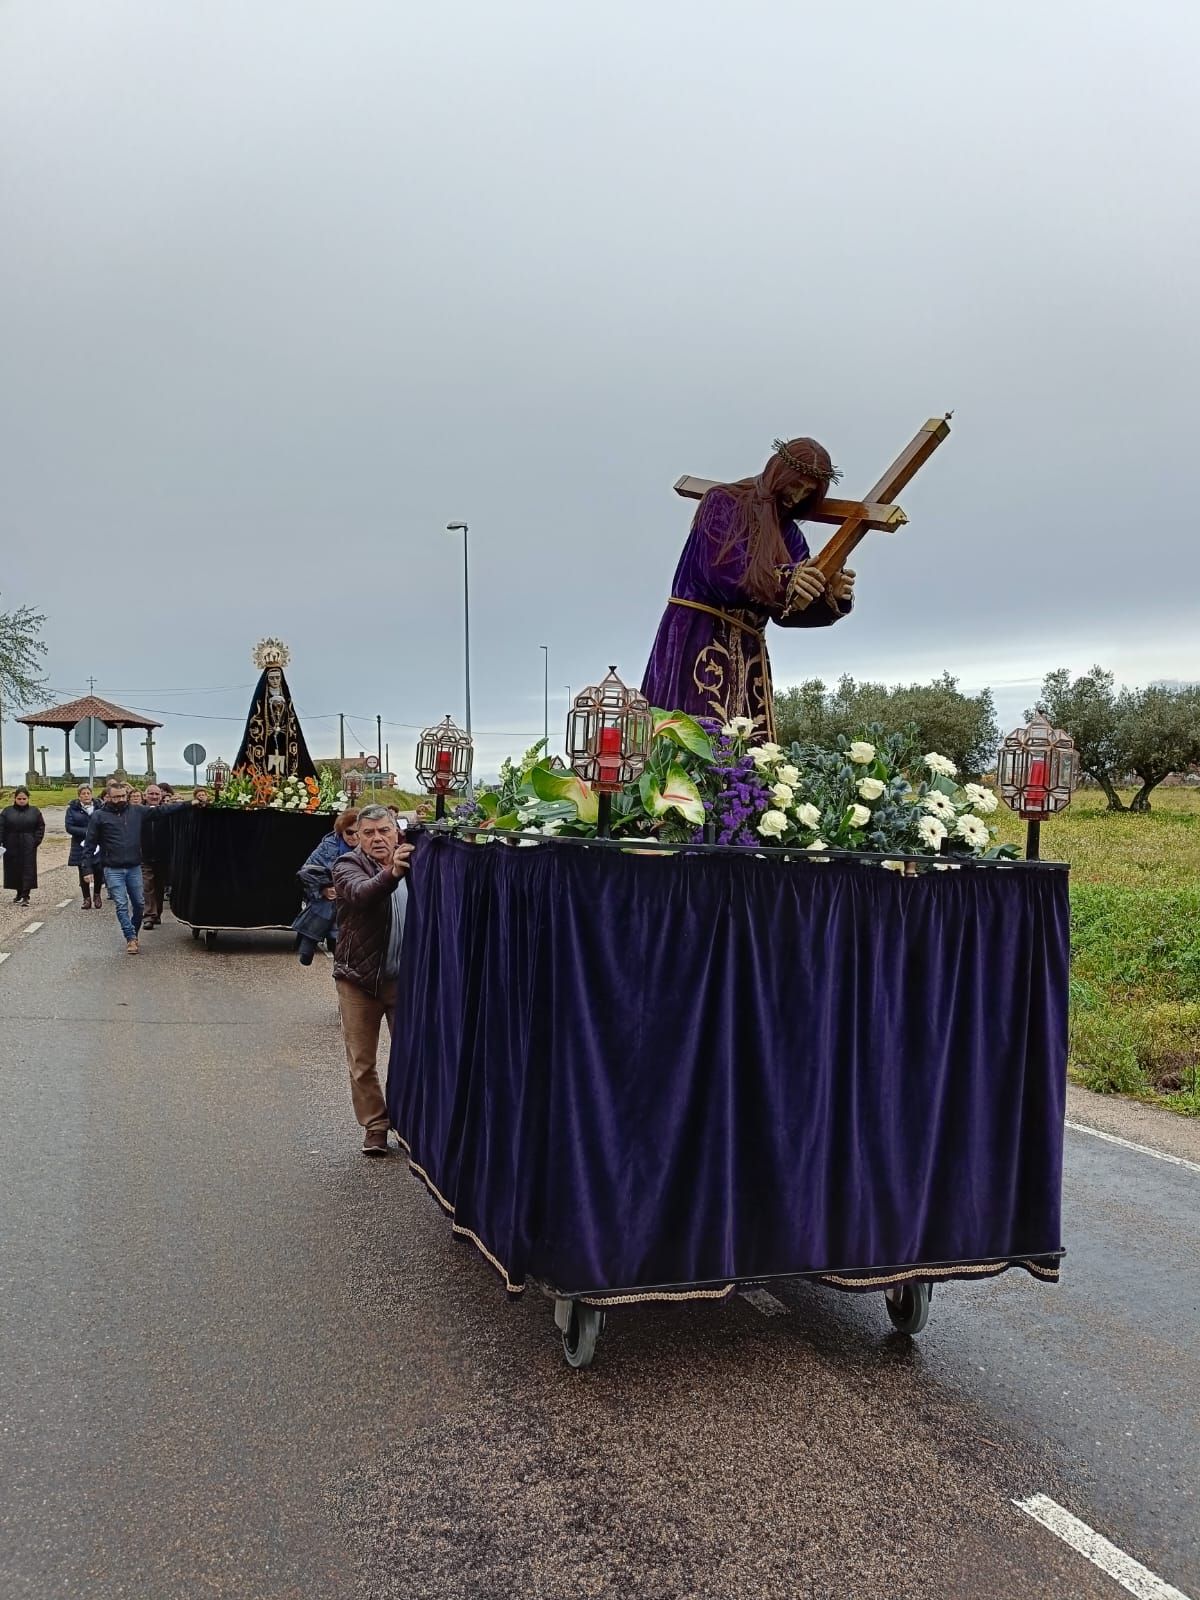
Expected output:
(771, 824)
(972, 830)
(783, 794)
(738, 728)
(932, 832)
(859, 816)
(807, 816)
(982, 800)
(939, 805)
(861, 753)
(942, 765)
(871, 789)
(789, 775)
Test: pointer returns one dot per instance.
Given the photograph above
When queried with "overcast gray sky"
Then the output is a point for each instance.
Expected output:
(287, 286)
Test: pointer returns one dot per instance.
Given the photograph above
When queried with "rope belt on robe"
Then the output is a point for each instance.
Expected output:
(746, 627)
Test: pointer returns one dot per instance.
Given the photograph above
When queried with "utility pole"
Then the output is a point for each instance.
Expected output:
(341, 745)
(379, 736)
(387, 759)
(545, 649)
(1, 741)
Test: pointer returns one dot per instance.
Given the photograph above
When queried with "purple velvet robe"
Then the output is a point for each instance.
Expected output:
(718, 666)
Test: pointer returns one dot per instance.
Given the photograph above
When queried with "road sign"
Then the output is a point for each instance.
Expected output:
(372, 763)
(90, 734)
(194, 755)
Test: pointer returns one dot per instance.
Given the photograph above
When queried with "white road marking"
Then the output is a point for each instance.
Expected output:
(4, 955)
(1139, 1149)
(1123, 1569)
(33, 927)
(61, 904)
(763, 1300)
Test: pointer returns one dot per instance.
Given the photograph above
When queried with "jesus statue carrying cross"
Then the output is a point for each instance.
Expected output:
(747, 562)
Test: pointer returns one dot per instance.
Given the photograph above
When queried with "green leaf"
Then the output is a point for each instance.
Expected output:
(678, 793)
(684, 731)
(549, 785)
(489, 804)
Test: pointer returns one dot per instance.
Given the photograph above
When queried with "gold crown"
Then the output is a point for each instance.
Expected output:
(271, 653)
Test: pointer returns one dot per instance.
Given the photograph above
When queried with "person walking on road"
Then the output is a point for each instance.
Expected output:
(22, 829)
(372, 897)
(152, 870)
(116, 828)
(317, 920)
(79, 814)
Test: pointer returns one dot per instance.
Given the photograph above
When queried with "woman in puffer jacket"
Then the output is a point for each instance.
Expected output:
(91, 873)
(318, 920)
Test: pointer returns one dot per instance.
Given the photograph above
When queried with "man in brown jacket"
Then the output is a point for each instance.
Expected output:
(371, 899)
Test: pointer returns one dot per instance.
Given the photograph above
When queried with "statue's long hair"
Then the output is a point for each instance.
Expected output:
(759, 517)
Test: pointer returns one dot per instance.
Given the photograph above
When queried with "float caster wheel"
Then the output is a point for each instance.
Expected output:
(908, 1307)
(580, 1326)
(195, 933)
(210, 938)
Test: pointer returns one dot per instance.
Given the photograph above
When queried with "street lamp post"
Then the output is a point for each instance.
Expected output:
(545, 649)
(461, 527)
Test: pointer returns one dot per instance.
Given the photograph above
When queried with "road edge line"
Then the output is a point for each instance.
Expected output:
(1139, 1149)
(1101, 1552)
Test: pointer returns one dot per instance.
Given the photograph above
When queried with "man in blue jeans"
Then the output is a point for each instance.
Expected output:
(116, 827)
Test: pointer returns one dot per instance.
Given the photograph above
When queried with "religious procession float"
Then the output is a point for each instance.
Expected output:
(233, 864)
(697, 1012)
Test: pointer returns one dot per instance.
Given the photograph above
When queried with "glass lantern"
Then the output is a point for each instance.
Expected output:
(445, 756)
(217, 774)
(1038, 769)
(609, 729)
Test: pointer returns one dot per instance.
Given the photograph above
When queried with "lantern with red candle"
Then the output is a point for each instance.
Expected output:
(445, 755)
(608, 738)
(1037, 770)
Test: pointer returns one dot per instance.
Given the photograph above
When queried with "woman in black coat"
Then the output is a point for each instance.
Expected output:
(91, 875)
(22, 829)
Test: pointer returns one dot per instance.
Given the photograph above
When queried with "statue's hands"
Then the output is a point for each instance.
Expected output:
(805, 585)
(841, 586)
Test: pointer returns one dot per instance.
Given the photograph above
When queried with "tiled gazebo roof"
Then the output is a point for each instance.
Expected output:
(66, 716)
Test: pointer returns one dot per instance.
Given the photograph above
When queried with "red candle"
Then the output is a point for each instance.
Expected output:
(610, 741)
(443, 761)
(1035, 789)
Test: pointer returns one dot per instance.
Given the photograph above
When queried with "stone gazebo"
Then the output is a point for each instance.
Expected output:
(66, 716)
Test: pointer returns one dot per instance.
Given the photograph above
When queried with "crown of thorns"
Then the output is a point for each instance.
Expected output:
(804, 467)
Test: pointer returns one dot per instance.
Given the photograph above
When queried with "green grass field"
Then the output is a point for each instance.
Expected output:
(1135, 943)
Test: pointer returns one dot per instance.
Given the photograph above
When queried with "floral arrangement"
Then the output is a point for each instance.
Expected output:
(706, 781)
(247, 789)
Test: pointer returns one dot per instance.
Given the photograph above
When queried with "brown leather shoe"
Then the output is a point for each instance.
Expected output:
(131, 947)
(375, 1142)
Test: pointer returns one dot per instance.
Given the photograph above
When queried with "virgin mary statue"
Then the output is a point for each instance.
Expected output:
(273, 742)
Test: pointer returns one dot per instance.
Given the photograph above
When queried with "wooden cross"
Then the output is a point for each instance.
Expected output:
(856, 518)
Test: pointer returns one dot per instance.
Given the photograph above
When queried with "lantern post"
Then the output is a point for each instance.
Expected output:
(608, 740)
(445, 757)
(1037, 770)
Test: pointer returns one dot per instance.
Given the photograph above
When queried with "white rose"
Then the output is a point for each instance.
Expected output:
(892, 866)
(782, 794)
(738, 728)
(775, 750)
(941, 765)
(763, 757)
(817, 844)
(972, 830)
(861, 753)
(871, 789)
(771, 824)
(859, 816)
(808, 816)
(932, 832)
(789, 775)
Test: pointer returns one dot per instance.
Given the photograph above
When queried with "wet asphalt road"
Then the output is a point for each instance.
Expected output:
(238, 1360)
